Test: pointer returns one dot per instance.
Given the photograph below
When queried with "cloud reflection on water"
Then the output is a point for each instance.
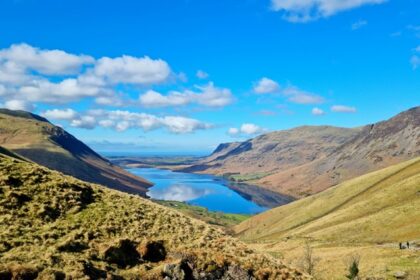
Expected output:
(179, 192)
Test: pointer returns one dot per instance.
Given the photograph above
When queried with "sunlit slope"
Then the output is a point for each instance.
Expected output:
(383, 206)
(54, 226)
(35, 138)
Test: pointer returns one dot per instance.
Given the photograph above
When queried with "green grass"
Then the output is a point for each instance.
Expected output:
(248, 177)
(202, 213)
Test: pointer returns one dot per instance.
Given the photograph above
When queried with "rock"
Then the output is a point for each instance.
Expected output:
(235, 272)
(152, 251)
(400, 275)
(123, 254)
(180, 271)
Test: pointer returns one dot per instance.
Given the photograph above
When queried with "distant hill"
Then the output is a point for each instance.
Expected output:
(309, 159)
(368, 215)
(35, 138)
(54, 226)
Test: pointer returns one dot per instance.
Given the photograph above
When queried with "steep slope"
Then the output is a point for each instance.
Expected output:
(376, 146)
(35, 138)
(307, 160)
(54, 226)
(371, 213)
(275, 151)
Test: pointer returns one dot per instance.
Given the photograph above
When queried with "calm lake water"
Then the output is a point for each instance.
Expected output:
(214, 193)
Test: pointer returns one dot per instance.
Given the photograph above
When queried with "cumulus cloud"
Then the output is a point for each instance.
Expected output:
(65, 91)
(201, 74)
(54, 76)
(50, 62)
(358, 24)
(246, 129)
(308, 10)
(317, 112)
(293, 94)
(343, 109)
(208, 95)
(57, 114)
(15, 104)
(155, 99)
(132, 70)
(120, 120)
(266, 85)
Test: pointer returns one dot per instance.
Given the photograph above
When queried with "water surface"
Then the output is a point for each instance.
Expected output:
(208, 191)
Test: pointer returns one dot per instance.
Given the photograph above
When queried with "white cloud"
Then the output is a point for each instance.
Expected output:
(343, 109)
(86, 122)
(246, 129)
(415, 61)
(233, 131)
(358, 24)
(317, 111)
(123, 120)
(266, 85)
(181, 125)
(15, 104)
(299, 96)
(68, 90)
(201, 74)
(57, 114)
(132, 70)
(209, 95)
(155, 99)
(293, 94)
(308, 10)
(50, 62)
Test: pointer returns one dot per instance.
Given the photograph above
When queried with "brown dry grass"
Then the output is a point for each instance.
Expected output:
(55, 225)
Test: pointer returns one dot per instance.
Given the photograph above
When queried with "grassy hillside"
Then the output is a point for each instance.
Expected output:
(224, 220)
(54, 226)
(368, 215)
(35, 138)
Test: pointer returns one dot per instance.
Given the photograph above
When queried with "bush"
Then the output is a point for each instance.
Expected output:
(353, 268)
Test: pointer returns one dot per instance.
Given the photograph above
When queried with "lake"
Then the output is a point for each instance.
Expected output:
(214, 193)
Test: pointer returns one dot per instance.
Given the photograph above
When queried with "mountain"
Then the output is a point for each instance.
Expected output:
(368, 216)
(36, 139)
(54, 226)
(309, 159)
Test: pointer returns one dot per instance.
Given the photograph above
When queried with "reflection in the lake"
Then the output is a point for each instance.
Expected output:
(214, 193)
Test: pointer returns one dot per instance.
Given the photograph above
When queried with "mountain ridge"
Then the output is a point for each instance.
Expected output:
(308, 159)
(35, 138)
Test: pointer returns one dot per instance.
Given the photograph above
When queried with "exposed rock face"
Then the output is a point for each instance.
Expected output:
(35, 138)
(307, 160)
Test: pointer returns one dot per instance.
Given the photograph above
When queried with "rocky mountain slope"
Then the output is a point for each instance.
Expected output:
(307, 160)
(54, 226)
(368, 216)
(35, 138)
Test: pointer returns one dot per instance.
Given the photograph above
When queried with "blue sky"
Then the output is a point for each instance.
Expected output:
(122, 75)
